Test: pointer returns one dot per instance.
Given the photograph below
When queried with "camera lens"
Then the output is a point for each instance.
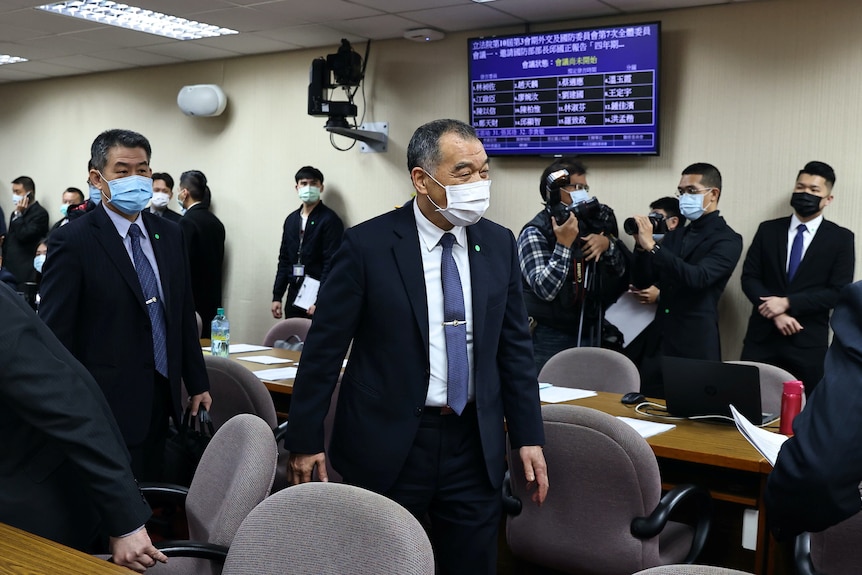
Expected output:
(630, 226)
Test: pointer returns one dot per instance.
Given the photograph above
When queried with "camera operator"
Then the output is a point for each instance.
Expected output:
(572, 262)
(691, 266)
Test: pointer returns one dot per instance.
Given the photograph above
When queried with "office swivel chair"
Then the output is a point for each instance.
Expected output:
(592, 368)
(297, 326)
(690, 570)
(834, 551)
(604, 513)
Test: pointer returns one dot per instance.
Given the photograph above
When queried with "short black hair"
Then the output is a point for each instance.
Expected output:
(76, 191)
(111, 138)
(709, 174)
(196, 183)
(26, 182)
(165, 177)
(309, 173)
(670, 206)
(571, 165)
(821, 169)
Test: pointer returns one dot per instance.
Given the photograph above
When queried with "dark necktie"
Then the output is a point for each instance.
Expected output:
(455, 328)
(796, 252)
(150, 287)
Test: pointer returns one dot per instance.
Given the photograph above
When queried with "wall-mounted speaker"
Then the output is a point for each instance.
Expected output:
(202, 100)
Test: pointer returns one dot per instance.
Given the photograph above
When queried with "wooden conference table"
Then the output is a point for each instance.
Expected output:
(22, 553)
(714, 455)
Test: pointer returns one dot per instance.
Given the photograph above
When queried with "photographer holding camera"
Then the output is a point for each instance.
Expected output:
(572, 262)
(691, 267)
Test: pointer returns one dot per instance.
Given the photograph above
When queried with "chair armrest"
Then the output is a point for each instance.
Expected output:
(280, 431)
(511, 504)
(802, 554)
(196, 549)
(646, 527)
(175, 493)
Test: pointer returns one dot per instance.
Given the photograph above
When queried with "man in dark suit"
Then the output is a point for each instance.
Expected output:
(163, 191)
(815, 483)
(789, 323)
(64, 472)
(27, 225)
(204, 236)
(116, 292)
(423, 398)
(691, 267)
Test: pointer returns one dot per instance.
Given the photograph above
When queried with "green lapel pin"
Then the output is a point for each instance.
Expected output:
(157, 236)
(477, 248)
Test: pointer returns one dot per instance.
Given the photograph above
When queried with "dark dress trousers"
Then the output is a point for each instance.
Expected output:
(691, 268)
(826, 268)
(22, 239)
(313, 248)
(92, 300)
(204, 236)
(64, 472)
(815, 483)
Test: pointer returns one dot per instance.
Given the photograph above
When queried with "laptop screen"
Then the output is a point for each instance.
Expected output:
(701, 387)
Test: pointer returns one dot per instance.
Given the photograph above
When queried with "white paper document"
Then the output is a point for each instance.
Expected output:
(277, 373)
(265, 359)
(630, 316)
(307, 294)
(646, 428)
(553, 394)
(241, 348)
(766, 442)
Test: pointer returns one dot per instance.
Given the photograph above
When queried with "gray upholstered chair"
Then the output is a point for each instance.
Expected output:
(604, 513)
(593, 368)
(297, 326)
(690, 570)
(834, 551)
(233, 476)
(772, 380)
(329, 529)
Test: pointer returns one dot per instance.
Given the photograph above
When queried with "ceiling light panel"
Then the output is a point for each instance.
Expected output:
(134, 18)
(7, 59)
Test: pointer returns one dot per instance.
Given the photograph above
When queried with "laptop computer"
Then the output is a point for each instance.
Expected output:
(697, 387)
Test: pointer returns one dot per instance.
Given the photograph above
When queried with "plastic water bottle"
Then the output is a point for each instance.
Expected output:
(791, 405)
(220, 337)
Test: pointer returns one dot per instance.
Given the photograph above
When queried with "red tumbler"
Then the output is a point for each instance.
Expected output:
(791, 405)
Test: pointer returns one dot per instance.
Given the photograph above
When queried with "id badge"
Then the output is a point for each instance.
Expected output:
(298, 270)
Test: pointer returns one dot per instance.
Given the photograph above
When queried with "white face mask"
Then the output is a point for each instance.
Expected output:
(465, 203)
(160, 199)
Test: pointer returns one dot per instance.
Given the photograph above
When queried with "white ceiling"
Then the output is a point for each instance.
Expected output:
(63, 46)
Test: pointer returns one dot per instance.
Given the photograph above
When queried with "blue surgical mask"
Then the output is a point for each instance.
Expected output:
(691, 205)
(95, 194)
(657, 237)
(38, 262)
(16, 198)
(579, 196)
(131, 194)
(64, 209)
(309, 194)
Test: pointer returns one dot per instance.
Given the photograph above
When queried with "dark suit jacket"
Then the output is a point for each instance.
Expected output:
(92, 300)
(691, 269)
(64, 471)
(826, 268)
(204, 236)
(171, 216)
(815, 483)
(376, 296)
(21, 242)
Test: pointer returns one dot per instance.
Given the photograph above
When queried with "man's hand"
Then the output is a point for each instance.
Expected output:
(643, 237)
(310, 310)
(23, 204)
(135, 551)
(568, 232)
(594, 246)
(786, 324)
(773, 306)
(535, 471)
(276, 309)
(300, 466)
(196, 401)
(646, 295)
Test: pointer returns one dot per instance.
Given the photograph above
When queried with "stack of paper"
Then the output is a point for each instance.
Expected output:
(553, 394)
(646, 428)
(766, 442)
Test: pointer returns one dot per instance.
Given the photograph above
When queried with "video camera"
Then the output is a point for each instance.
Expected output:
(659, 224)
(593, 217)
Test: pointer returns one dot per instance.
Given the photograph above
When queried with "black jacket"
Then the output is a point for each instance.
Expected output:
(204, 237)
(22, 239)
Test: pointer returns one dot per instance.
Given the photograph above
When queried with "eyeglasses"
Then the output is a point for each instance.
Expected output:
(576, 188)
(680, 192)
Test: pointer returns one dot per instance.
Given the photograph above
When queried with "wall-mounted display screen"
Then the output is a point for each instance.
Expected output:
(572, 92)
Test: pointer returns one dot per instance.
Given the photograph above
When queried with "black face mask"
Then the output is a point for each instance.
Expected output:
(805, 204)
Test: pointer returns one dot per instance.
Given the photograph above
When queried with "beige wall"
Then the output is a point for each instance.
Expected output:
(756, 88)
